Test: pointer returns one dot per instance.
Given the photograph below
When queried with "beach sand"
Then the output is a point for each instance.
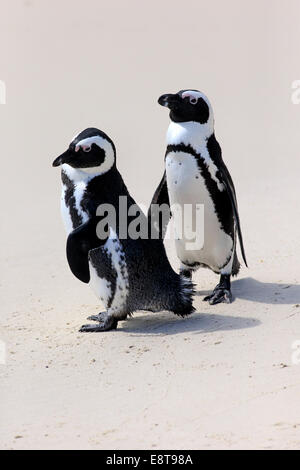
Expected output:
(225, 378)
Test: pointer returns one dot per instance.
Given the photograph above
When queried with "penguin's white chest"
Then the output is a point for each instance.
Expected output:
(186, 186)
(183, 178)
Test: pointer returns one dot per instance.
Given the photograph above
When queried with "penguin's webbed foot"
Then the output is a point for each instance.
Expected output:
(107, 325)
(218, 296)
(221, 293)
(100, 317)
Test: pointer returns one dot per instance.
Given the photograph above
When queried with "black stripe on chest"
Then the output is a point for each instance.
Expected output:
(221, 200)
(70, 200)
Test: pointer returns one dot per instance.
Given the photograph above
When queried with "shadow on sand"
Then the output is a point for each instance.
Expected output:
(248, 289)
(166, 324)
(263, 292)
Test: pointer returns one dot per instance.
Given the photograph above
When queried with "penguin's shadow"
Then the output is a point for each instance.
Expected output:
(263, 292)
(166, 324)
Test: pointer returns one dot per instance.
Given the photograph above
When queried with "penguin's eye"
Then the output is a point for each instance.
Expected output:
(86, 149)
(193, 100)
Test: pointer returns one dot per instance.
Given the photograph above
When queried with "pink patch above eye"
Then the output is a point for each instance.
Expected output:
(186, 94)
(85, 148)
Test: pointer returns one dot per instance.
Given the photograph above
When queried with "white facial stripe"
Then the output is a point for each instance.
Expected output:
(207, 128)
(197, 95)
(102, 143)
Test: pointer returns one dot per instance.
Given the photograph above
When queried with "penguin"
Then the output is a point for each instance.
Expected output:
(195, 173)
(126, 273)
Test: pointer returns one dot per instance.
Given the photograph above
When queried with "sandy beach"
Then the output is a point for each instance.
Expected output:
(228, 377)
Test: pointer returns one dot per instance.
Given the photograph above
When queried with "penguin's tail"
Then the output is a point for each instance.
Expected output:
(181, 302)
(236, 265)
(164, 289)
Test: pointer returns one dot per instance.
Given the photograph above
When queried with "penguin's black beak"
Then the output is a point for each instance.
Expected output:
(169, 101)
(63, 158)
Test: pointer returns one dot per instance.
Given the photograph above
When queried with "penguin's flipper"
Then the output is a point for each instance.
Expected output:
(161, 196)
(79, 243)
(225, 178)
(227, 181)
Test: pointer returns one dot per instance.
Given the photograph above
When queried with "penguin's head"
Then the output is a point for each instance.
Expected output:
(91, 151)
(188, 105)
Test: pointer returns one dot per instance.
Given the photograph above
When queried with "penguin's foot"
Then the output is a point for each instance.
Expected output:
(100, 317)
(110, 323)
(221, 293)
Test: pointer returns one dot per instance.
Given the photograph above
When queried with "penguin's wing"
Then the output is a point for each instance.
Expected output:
(225, 178)
(79, 243)
(161, 220)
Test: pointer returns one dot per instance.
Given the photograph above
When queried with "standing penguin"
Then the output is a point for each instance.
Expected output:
(126, 274)
(196, 174)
